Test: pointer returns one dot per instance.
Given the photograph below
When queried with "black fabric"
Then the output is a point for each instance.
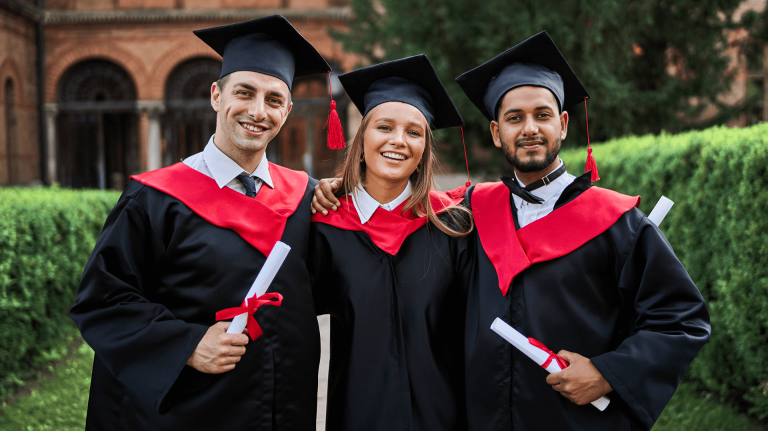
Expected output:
(410, 80)
(249, 183)
(521, 192)
(152, 286)
(535, 61)
(268, 45)
(622, 299)
(546, 179)
(396, 325)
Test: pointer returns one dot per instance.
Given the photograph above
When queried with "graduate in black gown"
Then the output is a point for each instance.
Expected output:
(576, 267)
(187, 241)
(391, 266)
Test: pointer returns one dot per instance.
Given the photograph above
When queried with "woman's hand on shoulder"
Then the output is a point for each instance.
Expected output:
(324, 199)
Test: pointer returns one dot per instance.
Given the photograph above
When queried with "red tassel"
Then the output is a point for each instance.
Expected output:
(335, 140)
(462, 190)
(591, 163)
(335, 132)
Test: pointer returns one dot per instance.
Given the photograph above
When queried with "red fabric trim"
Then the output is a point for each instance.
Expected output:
(260, 220)
(387, 229)
(550, 237)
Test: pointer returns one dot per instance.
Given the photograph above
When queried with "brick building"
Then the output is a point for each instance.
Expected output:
(126, 86)
(19, 143)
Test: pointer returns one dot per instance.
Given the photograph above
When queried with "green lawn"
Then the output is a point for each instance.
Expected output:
(61, 402)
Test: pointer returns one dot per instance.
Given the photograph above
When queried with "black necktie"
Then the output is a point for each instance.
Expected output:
(524, 193)
(249, 183)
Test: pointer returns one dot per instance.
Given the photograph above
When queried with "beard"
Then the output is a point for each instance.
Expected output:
(531, 165)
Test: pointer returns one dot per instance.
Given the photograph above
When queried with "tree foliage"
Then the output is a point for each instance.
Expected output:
(642, 62)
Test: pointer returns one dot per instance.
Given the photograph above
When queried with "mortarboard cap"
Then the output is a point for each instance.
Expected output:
(536, 62)
(267, 45)
(410, 80)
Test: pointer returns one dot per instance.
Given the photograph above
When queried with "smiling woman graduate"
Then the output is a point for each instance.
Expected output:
(391, 265)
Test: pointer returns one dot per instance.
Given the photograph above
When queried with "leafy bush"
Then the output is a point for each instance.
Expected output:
(46, 236)
(718, 179)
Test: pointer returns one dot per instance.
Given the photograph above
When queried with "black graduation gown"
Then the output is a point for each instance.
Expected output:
(396, 292)
(621, 299)
(156, 278)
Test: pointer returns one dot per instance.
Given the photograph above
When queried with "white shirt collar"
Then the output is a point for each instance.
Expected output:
(548, 191)
(366, 205)
(223, 169)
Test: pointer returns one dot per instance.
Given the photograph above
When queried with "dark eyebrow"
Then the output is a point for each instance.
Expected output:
(244, 85)
(278, 94)
(538, 108)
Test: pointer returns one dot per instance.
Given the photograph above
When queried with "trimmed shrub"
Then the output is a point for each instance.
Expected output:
(46, 236)
(718, 179)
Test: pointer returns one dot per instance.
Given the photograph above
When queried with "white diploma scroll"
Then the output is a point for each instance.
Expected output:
(537, 355)
(660, 210)
(261, 284)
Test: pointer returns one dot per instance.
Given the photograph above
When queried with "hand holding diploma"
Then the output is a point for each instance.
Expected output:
(224, 343)
(573, 385)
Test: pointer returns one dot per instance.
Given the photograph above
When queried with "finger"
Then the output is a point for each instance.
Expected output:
(336, 183)
(223, 369)
(554, 379)
(568, 356)
(238, 340)
(237, 351)
(324, 203)
(316, 207)
(327, 189)
(221, 326)
(227, 360)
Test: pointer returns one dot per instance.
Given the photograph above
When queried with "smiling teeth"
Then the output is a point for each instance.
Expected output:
(393, 156)
(252, 128)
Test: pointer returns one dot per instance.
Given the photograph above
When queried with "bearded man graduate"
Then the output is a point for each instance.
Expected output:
(187, 241)
(577, 267)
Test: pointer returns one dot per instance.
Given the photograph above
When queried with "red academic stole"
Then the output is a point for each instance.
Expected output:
(260, 220)
(387, 229)
(555, 235)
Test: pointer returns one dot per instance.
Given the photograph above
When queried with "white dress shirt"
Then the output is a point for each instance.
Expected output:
(527, 212)
(366, 205)
(217, 165)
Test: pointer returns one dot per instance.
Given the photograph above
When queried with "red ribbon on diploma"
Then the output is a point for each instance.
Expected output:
(250, 306)
(560, 361)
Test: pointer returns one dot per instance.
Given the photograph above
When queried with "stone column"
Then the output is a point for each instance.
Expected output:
(153, 110)
(51, 112)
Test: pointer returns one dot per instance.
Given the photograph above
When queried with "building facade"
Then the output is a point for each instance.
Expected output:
(124, 87)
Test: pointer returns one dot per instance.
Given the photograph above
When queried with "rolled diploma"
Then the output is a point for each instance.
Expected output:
(261, 284)
(537, 355)
(660, 210)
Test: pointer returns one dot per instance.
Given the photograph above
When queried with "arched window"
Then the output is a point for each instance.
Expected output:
(10, 130)
(97, 126)
(190, 119)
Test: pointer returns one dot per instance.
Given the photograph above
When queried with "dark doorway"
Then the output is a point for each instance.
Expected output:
(97, 127)
(10, 130)
(189, 120)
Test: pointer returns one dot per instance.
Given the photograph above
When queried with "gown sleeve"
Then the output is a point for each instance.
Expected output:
(140, 342)
(670, 324)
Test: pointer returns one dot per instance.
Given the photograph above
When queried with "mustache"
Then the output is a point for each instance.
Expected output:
(541, 139)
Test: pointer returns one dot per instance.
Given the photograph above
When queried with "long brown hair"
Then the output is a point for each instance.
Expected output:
(422, 181)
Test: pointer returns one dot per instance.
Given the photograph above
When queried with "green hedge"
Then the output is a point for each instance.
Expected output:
(46, 236)
(718, 179)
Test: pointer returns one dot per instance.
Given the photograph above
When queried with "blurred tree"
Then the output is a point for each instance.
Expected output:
(648, 65)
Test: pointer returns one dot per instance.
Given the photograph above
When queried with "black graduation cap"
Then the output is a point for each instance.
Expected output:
(410, 80)
(268, 45)
(536, 62)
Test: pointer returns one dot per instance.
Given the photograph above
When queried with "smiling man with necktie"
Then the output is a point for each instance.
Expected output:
(187, 241)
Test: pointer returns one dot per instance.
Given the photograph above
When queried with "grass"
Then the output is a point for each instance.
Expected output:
(60, 405)
(689, 411)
